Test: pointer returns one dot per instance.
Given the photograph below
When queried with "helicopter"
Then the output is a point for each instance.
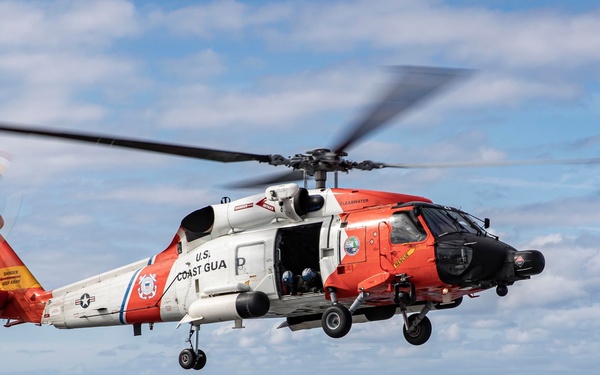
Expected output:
(322, 257)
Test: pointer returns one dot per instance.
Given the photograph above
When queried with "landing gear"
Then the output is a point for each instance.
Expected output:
(417, 327)
(417, 333)
(336, 321)
(192, 358)
(200, 360)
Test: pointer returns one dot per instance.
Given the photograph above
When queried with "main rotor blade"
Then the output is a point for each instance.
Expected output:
(507, 163)
(267, 180)
(415, 84)
(164, 148)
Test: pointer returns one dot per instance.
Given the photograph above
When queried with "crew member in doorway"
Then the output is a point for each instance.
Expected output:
(293, 284)
(312, 281)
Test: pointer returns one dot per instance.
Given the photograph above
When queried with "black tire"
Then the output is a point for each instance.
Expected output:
(200, 360)
(336, 321)
(421, 333)
(187, 359)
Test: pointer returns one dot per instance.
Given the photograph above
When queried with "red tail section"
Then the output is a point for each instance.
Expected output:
(22, 299)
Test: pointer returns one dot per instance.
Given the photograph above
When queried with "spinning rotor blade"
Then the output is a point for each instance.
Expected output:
(414, 85)
(507, 163)
(268, 180)
(164, 148)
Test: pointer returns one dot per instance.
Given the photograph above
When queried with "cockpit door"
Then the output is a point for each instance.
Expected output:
(399, 237)
(385, 256)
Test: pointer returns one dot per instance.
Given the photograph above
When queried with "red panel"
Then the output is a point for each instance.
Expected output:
(149, 285)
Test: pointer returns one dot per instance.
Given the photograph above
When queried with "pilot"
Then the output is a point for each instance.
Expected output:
(292, 283)
(311, 281)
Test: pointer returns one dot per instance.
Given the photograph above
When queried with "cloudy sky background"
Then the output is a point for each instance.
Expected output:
(285, 77)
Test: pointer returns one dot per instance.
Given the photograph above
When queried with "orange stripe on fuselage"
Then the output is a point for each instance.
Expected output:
(148, 286)
(145, 293)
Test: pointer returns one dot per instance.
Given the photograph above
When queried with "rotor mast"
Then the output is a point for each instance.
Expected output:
(320, 179)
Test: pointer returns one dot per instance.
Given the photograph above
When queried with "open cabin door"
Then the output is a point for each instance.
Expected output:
(296, 248)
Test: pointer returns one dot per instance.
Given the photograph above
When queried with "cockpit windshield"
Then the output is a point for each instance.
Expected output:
(443, 220)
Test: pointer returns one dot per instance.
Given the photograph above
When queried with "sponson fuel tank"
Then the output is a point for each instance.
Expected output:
(228, 307)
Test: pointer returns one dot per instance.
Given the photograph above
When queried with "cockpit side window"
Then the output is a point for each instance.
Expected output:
(405, 228)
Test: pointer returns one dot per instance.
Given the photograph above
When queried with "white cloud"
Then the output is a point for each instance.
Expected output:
(276, 102)
(475, 35)
(208, 20)
(157, 195)
(62, 25)
(567, 211)
(203, 64)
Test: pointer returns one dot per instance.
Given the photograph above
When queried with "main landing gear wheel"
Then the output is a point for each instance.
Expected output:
(187, 358)
(200, 360)
(336, 321)
(419, 334)
(190, 360)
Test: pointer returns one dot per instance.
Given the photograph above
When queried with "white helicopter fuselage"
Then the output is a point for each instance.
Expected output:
(201, 280)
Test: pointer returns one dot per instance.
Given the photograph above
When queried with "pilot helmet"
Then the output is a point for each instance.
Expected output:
(309, 275)
(288, 277)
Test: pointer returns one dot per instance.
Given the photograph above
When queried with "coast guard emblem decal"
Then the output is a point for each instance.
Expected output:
(147, 287)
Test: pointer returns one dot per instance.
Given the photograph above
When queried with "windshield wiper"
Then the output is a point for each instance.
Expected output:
(450, 232)
(457, 225)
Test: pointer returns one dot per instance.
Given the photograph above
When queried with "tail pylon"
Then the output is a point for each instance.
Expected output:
(22, 298)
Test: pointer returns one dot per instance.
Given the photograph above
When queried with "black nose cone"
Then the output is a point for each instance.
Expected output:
(529, 262)
(472, 260)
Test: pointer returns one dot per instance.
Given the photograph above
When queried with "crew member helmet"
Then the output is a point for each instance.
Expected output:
(288, 277)
(309, 275)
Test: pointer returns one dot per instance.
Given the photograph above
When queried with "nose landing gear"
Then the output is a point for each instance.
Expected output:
(192, 358)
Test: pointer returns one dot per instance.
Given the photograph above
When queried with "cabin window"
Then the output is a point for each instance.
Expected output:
(405, 228)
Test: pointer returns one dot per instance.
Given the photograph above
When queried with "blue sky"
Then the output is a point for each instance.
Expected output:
(286, 77)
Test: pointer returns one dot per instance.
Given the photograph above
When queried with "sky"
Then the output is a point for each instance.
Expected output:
(285, 77)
